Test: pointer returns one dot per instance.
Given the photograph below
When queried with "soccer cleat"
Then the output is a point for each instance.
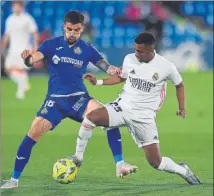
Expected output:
(190, 177)
(77, 161)
(9, 184)
(123, 169)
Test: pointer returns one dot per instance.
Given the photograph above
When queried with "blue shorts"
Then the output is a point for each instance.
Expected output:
(56, 109)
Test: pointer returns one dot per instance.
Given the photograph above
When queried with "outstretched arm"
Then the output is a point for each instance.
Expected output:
(111, 80)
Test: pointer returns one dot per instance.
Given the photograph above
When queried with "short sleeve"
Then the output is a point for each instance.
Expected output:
(32, 25)
(174, 76)
(95, 56)
(44, 48)
(125, 67)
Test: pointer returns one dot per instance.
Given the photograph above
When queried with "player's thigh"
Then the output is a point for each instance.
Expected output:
(143, 133)
(115, 116)
(51, 111)
(92, 105)
(39, 127)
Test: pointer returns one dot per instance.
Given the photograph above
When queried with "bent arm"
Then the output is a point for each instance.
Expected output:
(31, 57)
(36, 56)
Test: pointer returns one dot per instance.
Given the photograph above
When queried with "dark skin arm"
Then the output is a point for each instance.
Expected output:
(180, 93)
(111, 80)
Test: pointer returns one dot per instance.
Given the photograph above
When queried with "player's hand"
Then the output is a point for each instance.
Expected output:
(115, 71)
(182, 113)
(26, 53)
(91, 78)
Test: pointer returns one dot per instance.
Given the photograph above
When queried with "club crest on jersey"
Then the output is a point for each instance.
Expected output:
(55, 59)
(155, 76)
(77, 50)
(44, 111)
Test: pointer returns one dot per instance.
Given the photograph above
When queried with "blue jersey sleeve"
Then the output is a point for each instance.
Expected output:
(95, 56)
(44, 48)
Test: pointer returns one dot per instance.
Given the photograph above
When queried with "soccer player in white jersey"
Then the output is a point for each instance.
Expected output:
(145, 74)
(19, 27)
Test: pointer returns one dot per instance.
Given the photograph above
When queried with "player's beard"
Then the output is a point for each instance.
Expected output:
(71, 40)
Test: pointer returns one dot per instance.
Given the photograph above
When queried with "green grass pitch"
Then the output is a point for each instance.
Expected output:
(189, 140)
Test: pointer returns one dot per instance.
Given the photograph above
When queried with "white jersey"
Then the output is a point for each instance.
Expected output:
(145, 87)
(19, 28)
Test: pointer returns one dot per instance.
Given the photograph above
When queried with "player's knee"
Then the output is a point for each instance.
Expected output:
(92, 117)
(38, 128)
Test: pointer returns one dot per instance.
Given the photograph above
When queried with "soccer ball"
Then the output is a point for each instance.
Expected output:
(64, 171)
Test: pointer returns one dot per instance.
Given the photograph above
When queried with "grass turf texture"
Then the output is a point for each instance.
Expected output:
(189, 140)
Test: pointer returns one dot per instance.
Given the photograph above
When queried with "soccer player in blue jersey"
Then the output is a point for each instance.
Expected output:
(67, 58)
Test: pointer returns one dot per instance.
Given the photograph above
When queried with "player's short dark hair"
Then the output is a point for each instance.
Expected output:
(145, 38)
(74, 17)
(19, 2)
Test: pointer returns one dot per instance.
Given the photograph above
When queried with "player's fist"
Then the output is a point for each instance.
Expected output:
(182, 113)
(26, 53)
(91, 78)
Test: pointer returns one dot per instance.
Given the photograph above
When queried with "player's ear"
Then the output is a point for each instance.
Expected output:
(64, 25)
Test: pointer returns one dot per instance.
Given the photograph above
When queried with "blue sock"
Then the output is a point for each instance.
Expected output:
(114, 141)
(23, 156)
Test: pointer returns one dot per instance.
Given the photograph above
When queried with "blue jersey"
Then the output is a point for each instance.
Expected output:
(66, 65)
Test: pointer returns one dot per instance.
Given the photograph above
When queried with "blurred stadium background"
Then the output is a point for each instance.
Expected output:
(184, 32)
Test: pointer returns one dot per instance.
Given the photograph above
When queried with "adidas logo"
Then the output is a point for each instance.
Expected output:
(132, 72)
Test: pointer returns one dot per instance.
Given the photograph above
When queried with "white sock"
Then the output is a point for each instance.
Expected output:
(15, 180)
(84, 135)
(170, 166)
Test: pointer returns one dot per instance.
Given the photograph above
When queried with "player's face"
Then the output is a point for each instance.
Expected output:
(72, 32)
(17, 8)
(144, 53)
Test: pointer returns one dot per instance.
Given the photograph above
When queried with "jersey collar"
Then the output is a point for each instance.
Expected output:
(65, 43)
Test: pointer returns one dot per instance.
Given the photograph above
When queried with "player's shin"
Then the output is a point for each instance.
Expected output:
(114, 141)
(84, 135)
(23, 156)
(170, 166)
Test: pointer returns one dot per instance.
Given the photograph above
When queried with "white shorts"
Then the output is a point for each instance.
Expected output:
(14, 61)
(144, 132)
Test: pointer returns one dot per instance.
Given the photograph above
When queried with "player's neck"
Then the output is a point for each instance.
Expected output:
(71, 45)
(150, 59)
(17, 13)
